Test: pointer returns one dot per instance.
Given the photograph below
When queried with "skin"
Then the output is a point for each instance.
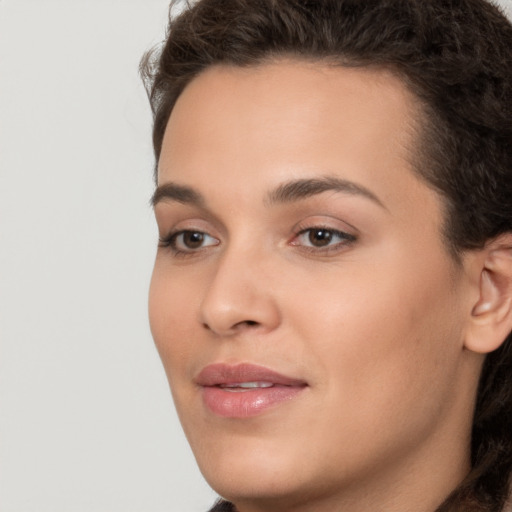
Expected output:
(374, 323)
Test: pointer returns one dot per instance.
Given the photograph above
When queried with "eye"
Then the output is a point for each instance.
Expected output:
(188, 241)
(318, 238)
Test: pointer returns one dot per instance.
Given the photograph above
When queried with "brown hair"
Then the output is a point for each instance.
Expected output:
(456, 57)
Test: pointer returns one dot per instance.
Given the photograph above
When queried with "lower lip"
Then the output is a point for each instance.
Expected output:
(245, 404)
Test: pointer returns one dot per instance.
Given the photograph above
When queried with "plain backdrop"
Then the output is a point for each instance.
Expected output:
(86, 418)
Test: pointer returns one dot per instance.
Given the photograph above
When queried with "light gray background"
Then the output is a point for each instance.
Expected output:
(86, 420)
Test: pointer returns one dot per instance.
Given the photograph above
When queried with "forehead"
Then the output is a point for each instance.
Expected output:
(280, 106)
(244, 129)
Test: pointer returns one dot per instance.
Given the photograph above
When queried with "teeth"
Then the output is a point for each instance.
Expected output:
(247, 385)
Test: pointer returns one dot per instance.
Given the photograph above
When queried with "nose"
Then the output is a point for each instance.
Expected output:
(240, 295)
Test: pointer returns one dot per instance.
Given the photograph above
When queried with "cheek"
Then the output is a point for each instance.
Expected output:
(383, 334)
(172, 313)
(384, 353)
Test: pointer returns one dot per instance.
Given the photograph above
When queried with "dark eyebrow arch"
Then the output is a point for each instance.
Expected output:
(174, 192)
(284, 193)
(304, 188)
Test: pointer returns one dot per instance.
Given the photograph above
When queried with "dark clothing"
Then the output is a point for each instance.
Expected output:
(223, 506)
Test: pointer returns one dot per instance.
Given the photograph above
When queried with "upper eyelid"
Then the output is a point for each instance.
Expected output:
(170, 223)
(327, 222)
(174, 224)
(324, 227)
(173, 233)
(348, 237)
(175, 213)
(165, 210)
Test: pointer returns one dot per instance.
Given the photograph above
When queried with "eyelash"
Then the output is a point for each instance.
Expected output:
(345, 239)
(170, 241)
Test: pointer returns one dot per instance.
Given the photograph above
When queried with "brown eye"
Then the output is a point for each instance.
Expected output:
(192, 239)
(188, 241)
(320, 237)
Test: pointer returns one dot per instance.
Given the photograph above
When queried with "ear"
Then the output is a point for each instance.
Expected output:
(491, 316)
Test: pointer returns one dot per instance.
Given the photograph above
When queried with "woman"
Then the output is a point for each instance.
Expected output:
(332, 291)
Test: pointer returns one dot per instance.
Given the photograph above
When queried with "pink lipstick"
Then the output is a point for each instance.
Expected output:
(245, 390)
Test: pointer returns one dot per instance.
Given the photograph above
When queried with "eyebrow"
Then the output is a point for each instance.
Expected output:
(303, 188)
(290, 191)
(179, 193)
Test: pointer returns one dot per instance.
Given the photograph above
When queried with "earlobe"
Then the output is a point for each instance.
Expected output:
(491, 316)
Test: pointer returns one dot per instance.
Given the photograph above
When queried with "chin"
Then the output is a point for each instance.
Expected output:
(269, 481)
(252, 468)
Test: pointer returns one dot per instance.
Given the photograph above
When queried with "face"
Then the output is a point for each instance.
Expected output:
(307, 313)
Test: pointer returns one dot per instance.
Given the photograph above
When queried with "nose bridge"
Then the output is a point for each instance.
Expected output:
(240, 293)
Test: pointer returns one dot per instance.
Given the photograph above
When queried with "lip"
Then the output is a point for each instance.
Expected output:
(221, 398)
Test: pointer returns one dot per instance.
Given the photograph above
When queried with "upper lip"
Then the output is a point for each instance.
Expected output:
(220, 373)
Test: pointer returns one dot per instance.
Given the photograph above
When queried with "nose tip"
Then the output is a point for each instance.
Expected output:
(238, 301)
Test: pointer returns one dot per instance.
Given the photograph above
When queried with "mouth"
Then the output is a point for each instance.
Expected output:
(245, 390)
(244, 386)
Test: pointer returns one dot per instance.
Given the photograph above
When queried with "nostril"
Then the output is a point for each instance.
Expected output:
(245, 324)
